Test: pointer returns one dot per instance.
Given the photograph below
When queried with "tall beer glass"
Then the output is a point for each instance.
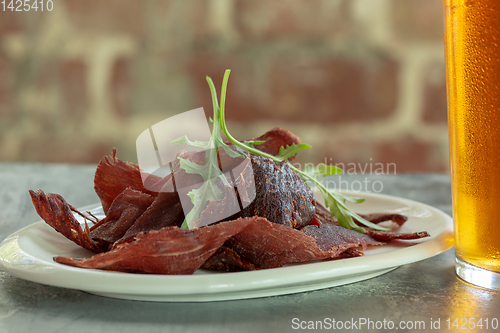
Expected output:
(472, 41)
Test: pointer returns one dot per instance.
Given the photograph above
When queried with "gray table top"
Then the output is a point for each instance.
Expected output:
(417, 294)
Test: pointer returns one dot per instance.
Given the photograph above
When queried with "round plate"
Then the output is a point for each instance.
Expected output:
(28, 254)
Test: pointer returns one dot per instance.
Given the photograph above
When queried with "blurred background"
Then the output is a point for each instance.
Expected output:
(361, 81)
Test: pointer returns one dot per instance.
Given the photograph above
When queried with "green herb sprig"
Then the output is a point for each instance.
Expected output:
(311, 175)
(210, 171)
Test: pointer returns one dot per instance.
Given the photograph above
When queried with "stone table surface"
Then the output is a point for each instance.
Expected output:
(416, 294)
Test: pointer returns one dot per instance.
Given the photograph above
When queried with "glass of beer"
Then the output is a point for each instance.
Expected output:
(472, 43)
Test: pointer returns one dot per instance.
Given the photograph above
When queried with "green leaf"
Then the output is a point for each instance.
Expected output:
(322, 170)
(344, 198)
(343, 216)
(200, 197)
(336, 203)
(209, 171)
(185, 140)
(232, 153)
(290, 151)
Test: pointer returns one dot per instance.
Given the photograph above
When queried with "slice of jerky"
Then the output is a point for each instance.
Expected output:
(269, 245)
(324, 215)
(165, 211)
(351, 253)
(275, 139)
(387, 236)
(227, 260)
(57, 213)
(382, 217)
(382, 236)
(167, 251)
(329, 235)
(113, 176)
(122, 214)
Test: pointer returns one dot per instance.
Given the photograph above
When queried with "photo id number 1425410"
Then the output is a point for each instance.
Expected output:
(27, 5)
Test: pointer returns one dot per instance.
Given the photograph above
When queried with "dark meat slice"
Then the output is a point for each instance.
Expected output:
(328, 239)
(281, 195)
(351, 253)
(382, 217)
(57, 213)
(122, 214)
(270, 245)
(387, 236)
(227, 260)
(275, 139)
(112, 176)
(219, 210)
(330, 235)
(323, 215)
(167, 251)
(165, 211)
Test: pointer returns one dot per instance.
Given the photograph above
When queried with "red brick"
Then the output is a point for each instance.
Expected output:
(10, 22)
(434, 103)
(122, 16)
(418, 20)
(179, 20)
(6, 103)
(341, 152)
(6, 86)
(6, 66)
(73, 86)
(317, 90)
(334, 89)
(121, 86)
(410, 155)
(291, 19)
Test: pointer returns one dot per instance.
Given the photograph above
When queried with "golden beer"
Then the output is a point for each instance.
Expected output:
(472, 40)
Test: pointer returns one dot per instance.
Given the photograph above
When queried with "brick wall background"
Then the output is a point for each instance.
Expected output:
(361, 81)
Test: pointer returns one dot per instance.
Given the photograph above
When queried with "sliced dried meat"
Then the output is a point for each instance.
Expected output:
(165, 211)
(281, 195)
(275, 139)
(219, 210)
(324, 216)
(387, 236)
(383, 217)
(270, 245)
(227, 260)
(122, 214)
(113, 176)
(330, 235)
(57, 213)
(166, 251)
(351, 253)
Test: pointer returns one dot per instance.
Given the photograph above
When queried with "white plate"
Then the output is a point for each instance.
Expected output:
(28, 254)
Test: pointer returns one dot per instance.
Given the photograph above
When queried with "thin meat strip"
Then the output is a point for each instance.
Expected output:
(56, 212)
(270, 245)
(170, 250)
